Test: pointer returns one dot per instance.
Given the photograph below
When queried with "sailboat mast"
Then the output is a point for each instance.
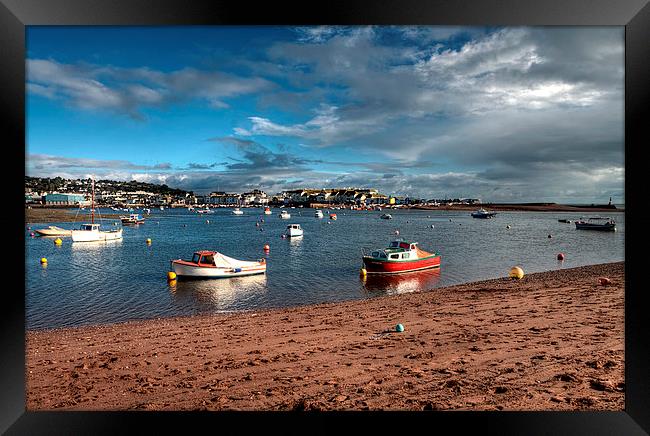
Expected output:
(92, 203)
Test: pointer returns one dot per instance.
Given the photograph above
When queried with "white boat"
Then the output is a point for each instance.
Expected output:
(293, 230)
(267, 211)
(212, 264)
(133, 218)
(386, 216)
(318, 214)
(53, 231)
(162, 208)
(206, 210)
(285, 215)
(90, 232)
(237, 211)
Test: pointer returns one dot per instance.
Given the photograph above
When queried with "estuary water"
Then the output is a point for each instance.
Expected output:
(104, 282)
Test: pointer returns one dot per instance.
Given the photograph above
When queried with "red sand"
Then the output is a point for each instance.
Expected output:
(550, 341)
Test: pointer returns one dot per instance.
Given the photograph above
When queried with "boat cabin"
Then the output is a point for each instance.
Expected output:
(89, 227)
(204, 258)
(294, 226)
(403, 244)
(398, 250)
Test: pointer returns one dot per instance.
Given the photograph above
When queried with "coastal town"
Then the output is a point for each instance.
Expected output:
(76, 192)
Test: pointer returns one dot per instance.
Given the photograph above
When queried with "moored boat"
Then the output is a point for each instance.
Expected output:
(293, 230)
(482, 213)
(333, 216)
(318, 214)
(237, 211)
(564, 221)
(400, 257)
(133, 218)
(285, 215)
(212, 264)
(592, 224)
(267, 211)
(90, 232)
(53, 231)
(386, 216)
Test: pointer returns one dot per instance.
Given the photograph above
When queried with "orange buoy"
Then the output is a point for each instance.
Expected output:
(266, 247)
(560, 256)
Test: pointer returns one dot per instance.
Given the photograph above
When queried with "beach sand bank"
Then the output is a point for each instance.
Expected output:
(550, 341)
(62, 215)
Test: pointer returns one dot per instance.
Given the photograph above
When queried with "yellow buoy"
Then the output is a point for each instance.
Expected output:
(58, 241)
(516, 272)
(43, 260)
(171, 275)
(363, 272)
(148, 240)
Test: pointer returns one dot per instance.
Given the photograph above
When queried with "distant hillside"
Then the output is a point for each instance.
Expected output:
(83, 185)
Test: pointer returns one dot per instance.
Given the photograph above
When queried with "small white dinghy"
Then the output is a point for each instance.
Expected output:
(285, 215)
(213, 265)
(53, 231)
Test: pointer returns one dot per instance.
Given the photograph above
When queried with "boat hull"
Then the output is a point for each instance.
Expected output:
(378, 266)
(601, 227)
(53, 232)
(132, 222)
(92, 236)
(184, 268)
(293, 232)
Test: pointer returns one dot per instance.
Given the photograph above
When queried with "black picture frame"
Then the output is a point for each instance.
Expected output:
(633, 14)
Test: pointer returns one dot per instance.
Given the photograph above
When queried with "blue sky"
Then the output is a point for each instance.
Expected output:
(502, 114)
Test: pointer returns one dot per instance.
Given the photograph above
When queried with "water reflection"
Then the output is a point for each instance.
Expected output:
(218, 294)
(90, 246)
(390, 284)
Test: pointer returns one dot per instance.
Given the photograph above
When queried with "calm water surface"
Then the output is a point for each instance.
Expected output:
(95, 283)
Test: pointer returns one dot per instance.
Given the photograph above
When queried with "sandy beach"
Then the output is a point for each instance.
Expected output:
(550, 341)
(60, 215)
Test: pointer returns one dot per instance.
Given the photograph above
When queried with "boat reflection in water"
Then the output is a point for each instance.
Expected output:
(224, 294)
(391, 284)
(95, 246)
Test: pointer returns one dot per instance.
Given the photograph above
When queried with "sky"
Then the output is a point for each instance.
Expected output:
(504, 114)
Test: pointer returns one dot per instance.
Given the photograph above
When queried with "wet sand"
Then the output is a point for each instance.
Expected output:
(60, 215)
(550, 341)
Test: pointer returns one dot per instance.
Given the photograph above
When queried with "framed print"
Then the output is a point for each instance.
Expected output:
(357, 213)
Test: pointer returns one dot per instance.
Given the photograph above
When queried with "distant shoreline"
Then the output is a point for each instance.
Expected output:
(526, 207)
(44, 214)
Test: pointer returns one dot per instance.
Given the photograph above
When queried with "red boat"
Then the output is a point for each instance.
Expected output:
(400, 257)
